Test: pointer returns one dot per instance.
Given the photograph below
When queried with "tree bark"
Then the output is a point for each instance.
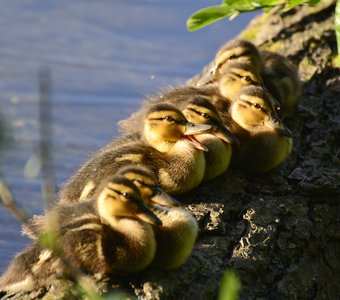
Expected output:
(279, 231)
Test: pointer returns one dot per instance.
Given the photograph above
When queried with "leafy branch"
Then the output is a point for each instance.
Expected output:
(232, 8)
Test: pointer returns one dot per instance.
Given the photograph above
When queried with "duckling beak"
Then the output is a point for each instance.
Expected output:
(191, 129)
(279, 127)
(162, 198)
(147, 215)
(225, 135)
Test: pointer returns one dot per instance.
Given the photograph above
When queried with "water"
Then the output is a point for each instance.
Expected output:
(104, 57)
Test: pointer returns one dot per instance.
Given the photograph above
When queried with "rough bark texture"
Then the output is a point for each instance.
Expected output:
(280, 230)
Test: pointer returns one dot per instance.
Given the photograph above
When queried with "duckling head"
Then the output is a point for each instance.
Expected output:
(235, 77)
(120, 198)
(165, 125)
(239, 51)
(254, 110)
(146, 181)
(201, 111)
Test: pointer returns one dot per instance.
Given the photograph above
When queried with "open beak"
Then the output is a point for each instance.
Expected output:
(279, 127)
(225, 135)
(191, 129)
(147, 215)
(162, 198)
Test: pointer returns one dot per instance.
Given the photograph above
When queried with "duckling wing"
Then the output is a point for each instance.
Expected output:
(33, 227)
(107, 161)
(30, 269)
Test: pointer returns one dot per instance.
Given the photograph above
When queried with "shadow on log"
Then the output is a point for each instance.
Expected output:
(279, 230)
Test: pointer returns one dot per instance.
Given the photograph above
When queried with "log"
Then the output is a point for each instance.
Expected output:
(280, 230)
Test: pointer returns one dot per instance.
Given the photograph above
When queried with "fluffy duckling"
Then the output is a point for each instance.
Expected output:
(167, 146)
(265, 141)
(174, 239)
(109, 235)
(236, 51)
(278, 74)
(236, 76)
(282, 80)
(219, 141)
(142, 177)
(196, 107)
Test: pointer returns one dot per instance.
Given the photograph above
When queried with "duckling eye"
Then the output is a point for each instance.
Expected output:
(256, 105)
(276, 121)
(247, 78)
(205, 116)
(169, 119)
(127, 196)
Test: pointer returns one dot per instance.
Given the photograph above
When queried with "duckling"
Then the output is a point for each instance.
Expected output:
(236, 76)
(282, 80)
(264, 139)
(279, 75)
(196, 107)
(219, 141)
(167, 146)
(110, 234)
(174, 239)
(236, 51)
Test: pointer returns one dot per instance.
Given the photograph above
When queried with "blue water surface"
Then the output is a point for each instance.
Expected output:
(105, 57)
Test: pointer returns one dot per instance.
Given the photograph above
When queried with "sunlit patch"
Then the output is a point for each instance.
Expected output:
(131, 157)
(91, 226)
(87, 190)
(43, 257)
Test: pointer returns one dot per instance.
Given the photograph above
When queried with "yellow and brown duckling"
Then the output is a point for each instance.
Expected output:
(167, 145)
(236, 76)
(196, 106)
(177, 235)
(219, 141)
(278, 74)
(236, 51)
(264, 139)
(111, 234)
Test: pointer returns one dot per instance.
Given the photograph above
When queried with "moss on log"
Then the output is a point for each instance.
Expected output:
(279, 230)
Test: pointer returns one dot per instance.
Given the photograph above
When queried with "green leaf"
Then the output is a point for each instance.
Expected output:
(207, 16)
(230, 286)
(337, 27)
(242, 5)
(270, 3)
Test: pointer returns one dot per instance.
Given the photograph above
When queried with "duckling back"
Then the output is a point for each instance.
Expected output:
(30, 269)
(105, 162)
(281, 79)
